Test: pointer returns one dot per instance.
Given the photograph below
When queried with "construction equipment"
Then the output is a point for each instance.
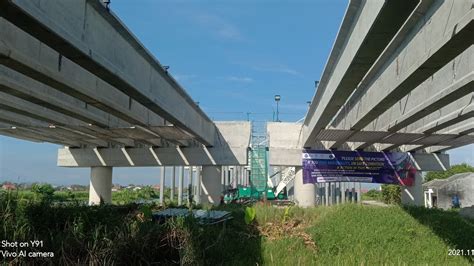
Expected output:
(259, 180)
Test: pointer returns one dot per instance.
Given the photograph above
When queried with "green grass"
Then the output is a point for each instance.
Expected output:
(347, 234)
(121, 197)
(367, 235)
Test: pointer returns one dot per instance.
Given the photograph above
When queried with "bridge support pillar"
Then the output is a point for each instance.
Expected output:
(210, 185)
(162, 185)
(173, 185)
(100, 190)
(413, 195)
(180, 185)
(305, 194)
(197, 197)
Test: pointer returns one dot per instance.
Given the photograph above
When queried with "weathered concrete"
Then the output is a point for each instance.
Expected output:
(173, 185)
(211, 187)
(90, 35)
(28, 89)
(180, 185)
(230, 149)
(284, 151)
(198, 195)
(100, 190)
(373, 24)
(162, 185)
(428, 49)
(305, 194)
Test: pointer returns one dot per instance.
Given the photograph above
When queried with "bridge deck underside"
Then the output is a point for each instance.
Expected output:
(415, 93)
(79, 92)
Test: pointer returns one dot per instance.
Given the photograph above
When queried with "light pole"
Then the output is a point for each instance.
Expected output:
(277, 100)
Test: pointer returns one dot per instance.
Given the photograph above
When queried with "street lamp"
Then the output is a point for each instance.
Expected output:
(277, 100)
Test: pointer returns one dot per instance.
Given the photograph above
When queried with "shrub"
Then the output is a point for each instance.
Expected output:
(373, 194)
(391, 194)
(455, 169)
(43, 191)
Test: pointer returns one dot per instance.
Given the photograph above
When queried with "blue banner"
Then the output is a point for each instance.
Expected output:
(358, 166)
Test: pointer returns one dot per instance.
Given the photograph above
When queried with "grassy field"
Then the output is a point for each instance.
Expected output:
(348, 234)
(123, 197)
(366, 235)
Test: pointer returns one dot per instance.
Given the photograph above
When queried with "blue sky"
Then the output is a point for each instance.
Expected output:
(231, 56)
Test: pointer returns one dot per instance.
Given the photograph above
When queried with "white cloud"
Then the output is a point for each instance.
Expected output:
(240, 79)
(276, 68)
(219, 27)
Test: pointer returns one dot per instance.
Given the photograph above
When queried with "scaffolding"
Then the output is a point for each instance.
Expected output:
(258, 159)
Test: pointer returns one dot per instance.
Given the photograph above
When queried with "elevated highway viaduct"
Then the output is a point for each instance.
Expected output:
(71, 73)
(399, 78)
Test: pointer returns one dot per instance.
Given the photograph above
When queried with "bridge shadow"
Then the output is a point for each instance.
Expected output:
(112, 235)
(456, 231)
(230, 243)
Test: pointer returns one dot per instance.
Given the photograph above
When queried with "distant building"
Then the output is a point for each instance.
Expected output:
(77, 188)
(9, 186)
(116, 188)
(446, 193)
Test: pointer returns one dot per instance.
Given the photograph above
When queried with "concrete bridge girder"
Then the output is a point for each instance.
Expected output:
(83, 31)
(416, 68)
(40, 62)
(232, 150)
(21, 86)
(134, 114)
(368, 27)
(436, 123)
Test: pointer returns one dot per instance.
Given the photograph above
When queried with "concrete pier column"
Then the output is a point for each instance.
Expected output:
(318, 194)
(413, 195)
(197, 197)
(211, 189)
(343, 192)
(326, 194)
(359, 193)
(321, 194)
(173, 181)
(229, 177)
(100, 190)
(234, 176)
(189, 187)
(226, 178)
(247, 177)
(329, 195)
(162, 185)
(180, 185)
(333, 193)
(353, 197)
(305, 194)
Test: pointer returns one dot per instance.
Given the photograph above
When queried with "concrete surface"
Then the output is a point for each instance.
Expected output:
(100, 190)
